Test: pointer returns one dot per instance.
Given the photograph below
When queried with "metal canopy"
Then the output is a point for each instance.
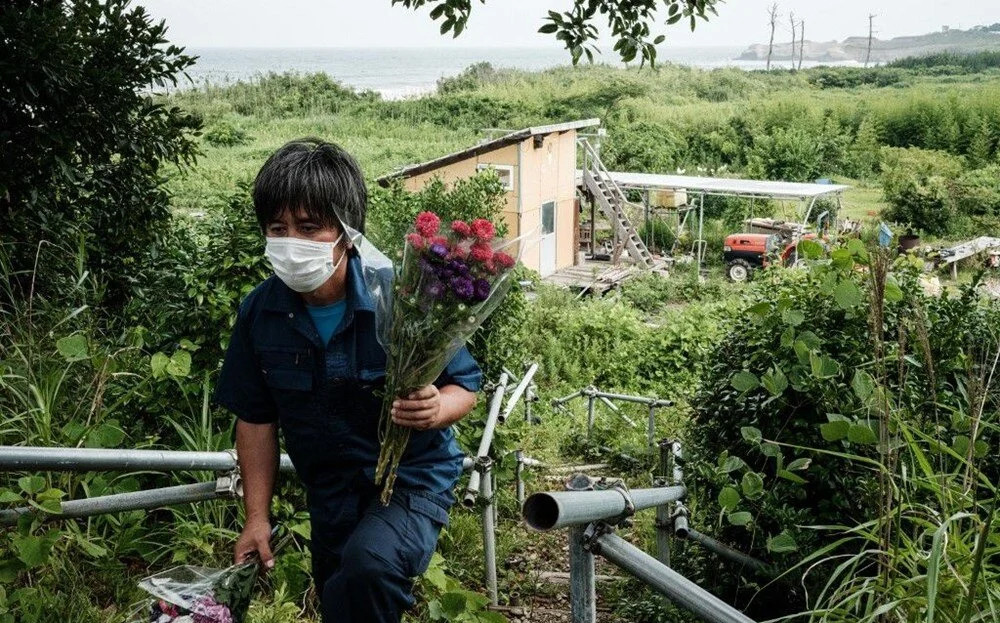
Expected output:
(724, 186)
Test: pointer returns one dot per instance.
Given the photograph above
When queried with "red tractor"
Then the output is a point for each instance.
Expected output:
(746, 252)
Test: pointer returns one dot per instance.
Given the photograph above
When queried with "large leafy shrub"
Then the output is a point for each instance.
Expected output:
(796, 383)
(82, 143)
(917, 184)
(933, 192)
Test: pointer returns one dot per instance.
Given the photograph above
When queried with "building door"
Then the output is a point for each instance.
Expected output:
(547, 261)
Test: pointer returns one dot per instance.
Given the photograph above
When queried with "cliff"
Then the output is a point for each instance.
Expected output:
(883, 50)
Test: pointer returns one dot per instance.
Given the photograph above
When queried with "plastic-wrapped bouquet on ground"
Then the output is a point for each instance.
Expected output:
(450, 280)
(191, 594)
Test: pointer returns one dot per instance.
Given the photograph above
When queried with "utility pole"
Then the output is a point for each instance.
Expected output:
(802, 41)
(774, 20)
(871, 32)
(791, 19)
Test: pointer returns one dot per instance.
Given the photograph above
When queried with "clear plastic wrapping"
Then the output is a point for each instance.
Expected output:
(190, 594)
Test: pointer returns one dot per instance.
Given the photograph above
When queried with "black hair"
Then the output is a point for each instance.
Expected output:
(315, 176)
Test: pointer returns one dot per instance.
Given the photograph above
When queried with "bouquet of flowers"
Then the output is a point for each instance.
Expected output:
(190, 594)
(448, 283)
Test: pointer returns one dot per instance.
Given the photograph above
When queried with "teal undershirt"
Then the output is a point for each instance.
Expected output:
(327, 318)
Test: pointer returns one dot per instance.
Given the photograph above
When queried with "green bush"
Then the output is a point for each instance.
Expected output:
(644, 146)
(918, 185)
(224, 134)
(796, 373)
(85, 145)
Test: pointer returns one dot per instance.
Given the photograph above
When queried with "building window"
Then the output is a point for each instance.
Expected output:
(548, 218)
(504, 171)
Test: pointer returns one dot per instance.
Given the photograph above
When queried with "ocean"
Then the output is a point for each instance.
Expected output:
(406, 72)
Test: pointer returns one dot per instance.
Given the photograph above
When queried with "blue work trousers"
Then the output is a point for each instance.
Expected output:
(365, 555)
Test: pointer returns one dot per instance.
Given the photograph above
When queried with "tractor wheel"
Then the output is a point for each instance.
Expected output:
(738, 270)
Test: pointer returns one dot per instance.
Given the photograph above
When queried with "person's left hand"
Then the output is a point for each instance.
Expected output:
(420, 410)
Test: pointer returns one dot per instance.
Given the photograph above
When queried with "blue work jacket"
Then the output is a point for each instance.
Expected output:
(325, 397)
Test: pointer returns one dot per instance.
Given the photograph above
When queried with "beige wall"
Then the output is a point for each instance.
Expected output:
(546, 173)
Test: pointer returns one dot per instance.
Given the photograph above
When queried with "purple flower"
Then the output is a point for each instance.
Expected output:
(435, 289)
(462, 287)
(482, 289)
(459, 268)
(439, 250)
(426, 266)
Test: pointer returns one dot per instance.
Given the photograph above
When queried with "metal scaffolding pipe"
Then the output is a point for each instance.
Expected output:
(656, 402)
(664, 524)
(557, 509)
(683, 530)
(665, 580)
(489, 535)
(582, 579)
(518, 391)
(559, 401)
(472, 491)
(119, 502)
(30, 458)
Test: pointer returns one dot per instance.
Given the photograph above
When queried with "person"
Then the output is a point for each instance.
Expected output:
(304, 359)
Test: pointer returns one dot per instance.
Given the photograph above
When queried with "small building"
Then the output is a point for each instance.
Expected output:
(538, 167)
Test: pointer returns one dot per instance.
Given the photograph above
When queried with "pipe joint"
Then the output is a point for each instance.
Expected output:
(619, 485)
(592, 533)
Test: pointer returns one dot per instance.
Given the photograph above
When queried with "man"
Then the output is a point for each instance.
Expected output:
(304, 358)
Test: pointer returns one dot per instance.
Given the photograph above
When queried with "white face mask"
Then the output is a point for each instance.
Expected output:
(303, 265)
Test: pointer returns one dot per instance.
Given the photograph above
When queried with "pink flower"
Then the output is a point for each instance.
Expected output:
(461, 228)
(481, 252)
(503, 259)
(427, 224)
(441, 240)
(207, 610)
(416, 241)
(482, 229)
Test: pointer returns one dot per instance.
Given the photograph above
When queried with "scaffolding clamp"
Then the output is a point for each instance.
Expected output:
(592, 533)
(618, 484)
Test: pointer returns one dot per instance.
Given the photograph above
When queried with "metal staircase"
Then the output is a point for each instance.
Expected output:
(613, 203)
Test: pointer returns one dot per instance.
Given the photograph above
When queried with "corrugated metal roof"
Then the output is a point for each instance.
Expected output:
(487, 146)
(723, 185)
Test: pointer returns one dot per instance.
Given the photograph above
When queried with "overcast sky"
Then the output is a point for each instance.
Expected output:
(503, 23)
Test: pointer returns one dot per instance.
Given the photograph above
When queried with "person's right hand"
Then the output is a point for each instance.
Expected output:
(256, 537)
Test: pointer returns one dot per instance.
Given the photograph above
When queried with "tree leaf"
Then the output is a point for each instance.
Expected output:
(810, 249)
(834, 431)
(752, 485)
(751, 434)
(179, 364)
(73, 347)
(787, 475)
(740, 518)
(893, 293)
(847, 295)
(158, 363)
(793, 317)
(31, 484)
(861, 433)
(745, 381)
(782, 543)
(729, 498)
(774, 382)
(799, 464)
(863, 385)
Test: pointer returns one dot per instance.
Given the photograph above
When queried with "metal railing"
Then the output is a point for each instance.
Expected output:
(592, 394)
(228, 484)
(591, 510)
